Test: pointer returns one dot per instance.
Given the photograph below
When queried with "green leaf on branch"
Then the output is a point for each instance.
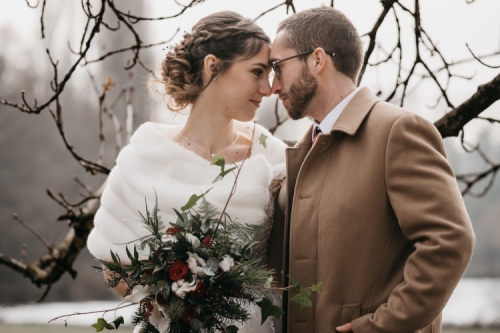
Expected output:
(295, 283)
(268, 309)
(317, 287)
(262, 140)
(303, 298)
(118, 321)
(223, 174)
(219, 160)
(102, 324)
(99, 269)
(193, 200)
(113, 256)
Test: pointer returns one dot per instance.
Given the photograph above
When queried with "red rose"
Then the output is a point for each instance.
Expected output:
(173, 230)
(200, 290)
(178, 270)
(189, 313)
(206, 241)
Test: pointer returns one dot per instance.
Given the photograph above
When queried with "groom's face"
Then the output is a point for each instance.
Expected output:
(295, 85)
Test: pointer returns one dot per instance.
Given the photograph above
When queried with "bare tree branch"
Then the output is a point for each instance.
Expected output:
(25, 107)
(453, 121)
(269, 10)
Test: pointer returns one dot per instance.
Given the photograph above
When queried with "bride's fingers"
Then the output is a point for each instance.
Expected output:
(344, 328)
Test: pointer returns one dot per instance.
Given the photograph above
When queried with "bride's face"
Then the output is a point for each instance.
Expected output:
(241, 89)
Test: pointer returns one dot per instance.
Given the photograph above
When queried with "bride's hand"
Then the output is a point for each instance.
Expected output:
(344, 328)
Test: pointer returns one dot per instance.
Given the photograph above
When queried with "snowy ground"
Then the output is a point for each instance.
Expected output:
(475, 302)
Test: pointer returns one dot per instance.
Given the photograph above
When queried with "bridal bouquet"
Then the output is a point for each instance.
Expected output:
(200, 274)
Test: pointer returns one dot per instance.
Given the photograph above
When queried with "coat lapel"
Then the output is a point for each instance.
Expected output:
(355, 112)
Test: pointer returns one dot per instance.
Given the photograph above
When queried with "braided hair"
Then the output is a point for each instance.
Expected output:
(226, 35)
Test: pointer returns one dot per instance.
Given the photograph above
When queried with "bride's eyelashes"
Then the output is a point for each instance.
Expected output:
(258, 72)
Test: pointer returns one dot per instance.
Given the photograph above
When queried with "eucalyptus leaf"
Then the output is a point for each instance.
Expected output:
(212, 263)
(196, 324)
(205, 225)
(158, 268)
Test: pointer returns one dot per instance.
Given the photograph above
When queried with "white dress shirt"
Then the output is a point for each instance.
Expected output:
(330, 119)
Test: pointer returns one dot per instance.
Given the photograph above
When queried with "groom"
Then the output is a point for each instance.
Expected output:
(373, 208)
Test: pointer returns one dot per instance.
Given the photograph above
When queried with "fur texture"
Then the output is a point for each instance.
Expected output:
(152, 162)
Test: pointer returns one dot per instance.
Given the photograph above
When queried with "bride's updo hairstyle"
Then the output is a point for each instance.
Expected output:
(226, 35)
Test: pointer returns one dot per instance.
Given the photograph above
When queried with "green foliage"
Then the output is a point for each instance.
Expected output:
(102, 324)
(317, 287)
(269, 309)
(193, 200)
(303, 298)
(262, 140)
(175, 309)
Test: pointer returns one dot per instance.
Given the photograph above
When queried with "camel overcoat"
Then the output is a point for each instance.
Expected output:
(375, 214)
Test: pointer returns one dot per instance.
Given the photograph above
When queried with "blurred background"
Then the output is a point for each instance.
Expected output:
(33, 156)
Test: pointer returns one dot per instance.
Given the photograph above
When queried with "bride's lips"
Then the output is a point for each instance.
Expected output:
(256, 103)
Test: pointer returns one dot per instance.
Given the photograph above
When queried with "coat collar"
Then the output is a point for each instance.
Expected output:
(350, 119)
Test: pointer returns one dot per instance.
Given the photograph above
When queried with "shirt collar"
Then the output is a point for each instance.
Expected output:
(326, 125)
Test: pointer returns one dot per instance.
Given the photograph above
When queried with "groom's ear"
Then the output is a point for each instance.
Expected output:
(210, 66)
(318, 60)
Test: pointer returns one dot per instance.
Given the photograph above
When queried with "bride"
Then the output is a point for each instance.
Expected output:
(221, 70)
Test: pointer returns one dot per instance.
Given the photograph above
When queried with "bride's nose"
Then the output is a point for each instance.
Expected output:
(265, 88)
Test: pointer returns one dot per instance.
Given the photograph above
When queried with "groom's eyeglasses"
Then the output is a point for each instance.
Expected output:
(277, 69)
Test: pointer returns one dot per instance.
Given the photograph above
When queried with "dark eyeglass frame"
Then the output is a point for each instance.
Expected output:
(277, 70)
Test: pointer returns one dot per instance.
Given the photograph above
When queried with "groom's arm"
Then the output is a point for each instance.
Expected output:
(422, 190)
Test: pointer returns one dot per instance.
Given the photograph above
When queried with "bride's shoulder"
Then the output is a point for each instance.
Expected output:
(150, 132)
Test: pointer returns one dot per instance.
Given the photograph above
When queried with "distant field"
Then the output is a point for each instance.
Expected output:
(82, 329)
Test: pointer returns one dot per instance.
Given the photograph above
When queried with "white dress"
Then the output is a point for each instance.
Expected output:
(153, 162)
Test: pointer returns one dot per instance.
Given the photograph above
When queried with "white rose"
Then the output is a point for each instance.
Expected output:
(226, 263)
(138, 293)
(195, 264)
(182, 287)
(157, 320)
(193, 240)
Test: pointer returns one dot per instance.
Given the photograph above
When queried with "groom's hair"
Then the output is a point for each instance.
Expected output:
(329, 29)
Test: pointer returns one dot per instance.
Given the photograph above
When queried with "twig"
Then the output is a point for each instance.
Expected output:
(278, 121)
(233, 190)
(34, 109)
(269, 10)
(478, 59)
(33, 231)
(90, 312)
(129, 122)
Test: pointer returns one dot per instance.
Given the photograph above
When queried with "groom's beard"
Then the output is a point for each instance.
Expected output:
(300, 94)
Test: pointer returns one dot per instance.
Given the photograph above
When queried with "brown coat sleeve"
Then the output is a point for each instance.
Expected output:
(431, 213)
